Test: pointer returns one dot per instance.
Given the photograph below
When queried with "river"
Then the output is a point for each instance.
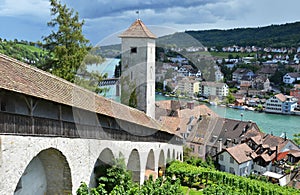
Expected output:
(268, 123)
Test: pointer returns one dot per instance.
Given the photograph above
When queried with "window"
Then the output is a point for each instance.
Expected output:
(231, 160)
(193, 148)
(221, 157)
(133, 50)
(231, 170)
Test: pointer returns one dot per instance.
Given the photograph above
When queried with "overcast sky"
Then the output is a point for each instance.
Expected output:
(27, 19)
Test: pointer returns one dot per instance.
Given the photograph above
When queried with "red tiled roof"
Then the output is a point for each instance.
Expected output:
(137, 30)
(23, 78)
(241, 153)
(281, 155)
(281, 97)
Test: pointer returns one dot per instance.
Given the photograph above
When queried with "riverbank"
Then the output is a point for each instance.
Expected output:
(277, 124)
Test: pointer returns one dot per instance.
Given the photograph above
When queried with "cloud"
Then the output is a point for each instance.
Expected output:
(15, 8)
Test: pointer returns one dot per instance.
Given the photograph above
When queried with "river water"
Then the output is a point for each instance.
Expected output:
(268, 123)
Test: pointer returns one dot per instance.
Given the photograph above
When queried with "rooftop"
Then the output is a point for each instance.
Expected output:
(137, 30)
(25, 79)
(241, 153)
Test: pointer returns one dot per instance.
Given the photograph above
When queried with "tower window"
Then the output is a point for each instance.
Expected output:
(133, 50)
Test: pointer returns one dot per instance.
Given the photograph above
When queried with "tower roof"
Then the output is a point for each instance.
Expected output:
(137, 30)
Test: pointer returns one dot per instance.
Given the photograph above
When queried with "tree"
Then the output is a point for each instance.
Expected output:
(67, 45)
(296, 138)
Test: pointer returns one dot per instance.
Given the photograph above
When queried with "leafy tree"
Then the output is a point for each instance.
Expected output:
(230, 98)
(133, 99)
(296, 138)
(67, 45)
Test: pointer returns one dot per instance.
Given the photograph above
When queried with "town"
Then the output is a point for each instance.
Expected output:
(60, 134)
(266, 80)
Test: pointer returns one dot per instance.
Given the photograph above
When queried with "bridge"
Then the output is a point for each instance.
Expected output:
(54, 134)
(110, 81)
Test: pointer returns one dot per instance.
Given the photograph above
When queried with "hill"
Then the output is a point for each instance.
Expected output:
(284, 35)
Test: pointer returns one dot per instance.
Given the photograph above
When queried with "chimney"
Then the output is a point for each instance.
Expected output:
(191, 105)
(276, 153)
(175, 105)
(220, 144)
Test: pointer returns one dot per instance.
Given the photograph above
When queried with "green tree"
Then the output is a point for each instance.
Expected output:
(230, 98)
(296, 138)
(133, 99)
(67, 45)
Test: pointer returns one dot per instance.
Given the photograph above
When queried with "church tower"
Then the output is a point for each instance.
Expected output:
(138, 68)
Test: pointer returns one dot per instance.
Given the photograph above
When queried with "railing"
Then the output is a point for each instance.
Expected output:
(16, 124)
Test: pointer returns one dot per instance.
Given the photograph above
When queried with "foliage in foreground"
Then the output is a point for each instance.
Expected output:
(217, 182)
(118, 181)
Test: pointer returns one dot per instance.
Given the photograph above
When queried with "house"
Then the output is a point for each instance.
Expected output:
(294, 156)
(267, 71)
(296, 92)
(188, 86)
(291, 77)
(281, 104)
(219, 90)
(239, 73)
(262, 154)
(212, 134)
(180, 117)
(219, 76)
(237, 160)
(261, 82)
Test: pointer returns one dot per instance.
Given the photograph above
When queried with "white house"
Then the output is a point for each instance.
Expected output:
(214, 89)
(236, 160)
(219, 76)
(280, 103)
(291, 77)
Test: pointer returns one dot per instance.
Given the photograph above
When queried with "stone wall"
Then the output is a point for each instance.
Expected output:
(80, 155)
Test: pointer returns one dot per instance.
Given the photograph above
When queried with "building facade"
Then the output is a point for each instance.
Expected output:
(214, 89)
(138, 68)
(281, 104)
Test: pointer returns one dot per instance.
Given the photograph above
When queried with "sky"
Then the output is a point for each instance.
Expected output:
(105, 19)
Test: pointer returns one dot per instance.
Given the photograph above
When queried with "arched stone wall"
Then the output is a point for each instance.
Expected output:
(81, 155)
(150, 165)
(161, 161)
(134, 165)
(169, 156)
(105, 160)
(47, 173)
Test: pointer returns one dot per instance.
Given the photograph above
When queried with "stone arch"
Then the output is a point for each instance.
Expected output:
(134, 165)
(168, 155)
(161, 162)
(173, 155)
(104, 161)
(47, 173)
(150, 165)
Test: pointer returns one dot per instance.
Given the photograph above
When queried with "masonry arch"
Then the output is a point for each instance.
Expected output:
(161, 162)
(105, 160)
(173, 155)
(134, 165)
(47, 173)
(168, 155)
(150, 165)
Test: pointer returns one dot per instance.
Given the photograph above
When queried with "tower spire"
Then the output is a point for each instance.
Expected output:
(138, 14)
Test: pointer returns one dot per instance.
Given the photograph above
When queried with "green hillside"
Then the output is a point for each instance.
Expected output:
(25, 52)
(285, 35)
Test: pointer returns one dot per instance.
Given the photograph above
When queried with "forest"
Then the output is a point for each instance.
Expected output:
(284, 35)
